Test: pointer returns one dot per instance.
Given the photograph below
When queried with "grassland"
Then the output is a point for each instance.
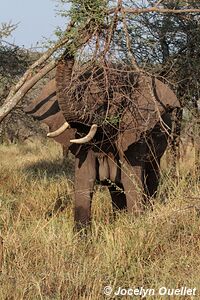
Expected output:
(44, 259)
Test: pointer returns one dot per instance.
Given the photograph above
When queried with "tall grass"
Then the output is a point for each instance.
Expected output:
(45, 259)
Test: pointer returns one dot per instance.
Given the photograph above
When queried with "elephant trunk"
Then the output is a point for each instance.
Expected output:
(67, 99)
(63, 83)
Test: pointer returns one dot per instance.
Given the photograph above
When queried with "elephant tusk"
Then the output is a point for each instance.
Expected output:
(59, 130)
(88, 137)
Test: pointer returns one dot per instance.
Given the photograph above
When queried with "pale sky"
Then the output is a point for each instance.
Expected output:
(37, 19)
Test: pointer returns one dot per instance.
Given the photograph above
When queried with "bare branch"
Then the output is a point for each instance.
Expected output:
(112, 28)
(128, 43)
(155, 9)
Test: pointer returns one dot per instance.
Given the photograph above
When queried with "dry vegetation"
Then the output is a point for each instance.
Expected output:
(45, 259)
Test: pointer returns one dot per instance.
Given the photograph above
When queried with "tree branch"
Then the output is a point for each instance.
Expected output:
(128, 43)
(158, 3)
(155, 9)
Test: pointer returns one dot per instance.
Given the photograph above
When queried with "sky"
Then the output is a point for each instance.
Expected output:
(37, 20)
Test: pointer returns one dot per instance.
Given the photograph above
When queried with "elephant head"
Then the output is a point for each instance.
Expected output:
(45, 108)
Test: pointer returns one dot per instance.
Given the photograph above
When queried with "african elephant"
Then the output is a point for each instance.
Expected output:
(129, 124)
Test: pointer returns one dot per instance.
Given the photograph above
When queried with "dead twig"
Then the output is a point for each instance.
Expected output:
(155, 9)
(158, 3)
(128, 43)
(113, 27)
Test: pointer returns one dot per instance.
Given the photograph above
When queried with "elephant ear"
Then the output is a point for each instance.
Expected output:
(45, 108)
(149, 100)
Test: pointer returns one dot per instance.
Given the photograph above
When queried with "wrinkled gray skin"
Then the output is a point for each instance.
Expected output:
(131, 161)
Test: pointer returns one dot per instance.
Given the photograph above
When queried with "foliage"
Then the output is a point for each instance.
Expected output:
(13, 60)
(80, 11)
(6, 29)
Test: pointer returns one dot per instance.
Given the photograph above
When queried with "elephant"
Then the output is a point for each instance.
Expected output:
(117, 124)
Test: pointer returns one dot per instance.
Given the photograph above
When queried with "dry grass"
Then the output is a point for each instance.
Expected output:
(45, 259)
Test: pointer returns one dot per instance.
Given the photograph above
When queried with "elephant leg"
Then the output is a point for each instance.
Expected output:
(152, 177)
(85, 176)
(132, 180)
(118, 197)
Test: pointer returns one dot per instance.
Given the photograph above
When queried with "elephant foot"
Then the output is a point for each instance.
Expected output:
(82, 217)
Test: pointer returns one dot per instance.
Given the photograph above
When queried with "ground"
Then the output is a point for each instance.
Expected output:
(45, 259)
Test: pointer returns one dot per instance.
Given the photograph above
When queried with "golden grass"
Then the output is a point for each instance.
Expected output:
(45, 259)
